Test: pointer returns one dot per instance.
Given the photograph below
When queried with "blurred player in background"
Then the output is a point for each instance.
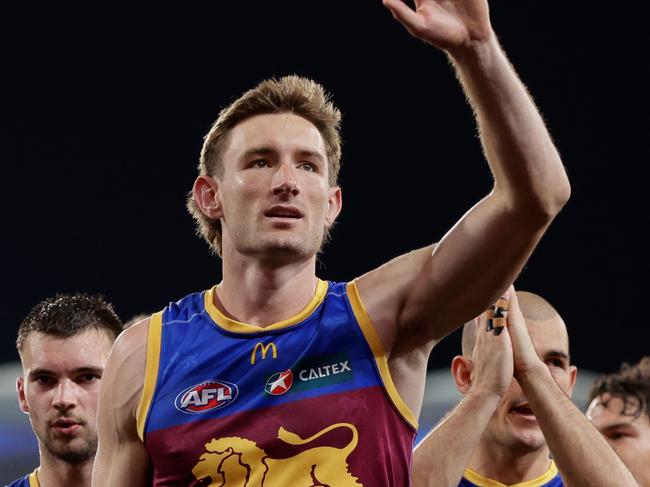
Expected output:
(620, 409)
(63, 344)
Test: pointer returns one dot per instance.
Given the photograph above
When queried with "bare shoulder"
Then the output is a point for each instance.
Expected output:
(398, 269)
(121, 457)
(124, 375)
(385, 290)
(133, 338)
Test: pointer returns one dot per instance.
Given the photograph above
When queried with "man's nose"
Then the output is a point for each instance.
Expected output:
(65, 395)
(285, 180)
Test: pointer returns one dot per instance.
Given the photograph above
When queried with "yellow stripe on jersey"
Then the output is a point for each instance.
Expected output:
(377, 348)
(33, 479)
(238, 327)
(481, 481)
(151, 371)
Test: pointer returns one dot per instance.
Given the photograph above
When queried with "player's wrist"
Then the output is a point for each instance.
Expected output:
(476, 53)
(486, 394)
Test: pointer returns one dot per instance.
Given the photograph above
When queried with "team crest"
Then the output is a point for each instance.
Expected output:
(206, 396)
(279, 383)
(235, 461)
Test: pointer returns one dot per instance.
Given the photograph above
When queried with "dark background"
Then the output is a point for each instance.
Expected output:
(103, 108)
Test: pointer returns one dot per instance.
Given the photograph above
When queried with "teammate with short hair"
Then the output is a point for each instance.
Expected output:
(516, 424)
(620, 409)
(275, 377)
(63, 344)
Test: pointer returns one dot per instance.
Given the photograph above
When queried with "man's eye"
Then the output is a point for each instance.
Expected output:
(617, 435)
(260, 163)
(307, 166)
(44, 380)
(555, 362)
(87, 378)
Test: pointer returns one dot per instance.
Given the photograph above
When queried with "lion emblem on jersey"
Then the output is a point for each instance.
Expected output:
(238, 462)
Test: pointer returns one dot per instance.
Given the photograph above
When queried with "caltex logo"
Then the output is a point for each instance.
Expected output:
(206, 396)
(279, 383)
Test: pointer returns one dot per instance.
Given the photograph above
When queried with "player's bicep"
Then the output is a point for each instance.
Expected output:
(471, 267)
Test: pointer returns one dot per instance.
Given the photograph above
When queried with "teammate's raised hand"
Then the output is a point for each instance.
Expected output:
(525, 355)
(492, 357)
(446, 24)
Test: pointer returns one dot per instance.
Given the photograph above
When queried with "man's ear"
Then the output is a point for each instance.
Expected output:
(334, 205)
(461, 372)
(206, 196)
(22, 401)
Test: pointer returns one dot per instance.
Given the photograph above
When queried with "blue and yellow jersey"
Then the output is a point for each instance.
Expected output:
(306, 401)
(550, 478)
(30, 480)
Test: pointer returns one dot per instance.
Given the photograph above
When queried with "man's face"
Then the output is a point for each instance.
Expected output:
(627, 434)
(59, 391)
(274, 195)
(513, 424)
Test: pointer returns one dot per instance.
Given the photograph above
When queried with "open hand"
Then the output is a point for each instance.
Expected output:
(525, 355)
(493, 363)
(446, 24)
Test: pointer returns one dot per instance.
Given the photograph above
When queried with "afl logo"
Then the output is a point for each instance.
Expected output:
(206, 396)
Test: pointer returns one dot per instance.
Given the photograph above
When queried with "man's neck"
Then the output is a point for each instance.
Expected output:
(508, 466)
(57, 473)
(261, 295)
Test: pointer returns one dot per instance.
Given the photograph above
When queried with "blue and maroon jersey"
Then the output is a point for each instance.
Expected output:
(306, 401)
(551, 478)
(29, 480)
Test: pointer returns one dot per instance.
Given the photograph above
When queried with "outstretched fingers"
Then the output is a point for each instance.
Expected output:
(405, 15)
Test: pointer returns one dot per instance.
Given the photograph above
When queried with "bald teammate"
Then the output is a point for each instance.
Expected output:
(505, 431)
(620, 409)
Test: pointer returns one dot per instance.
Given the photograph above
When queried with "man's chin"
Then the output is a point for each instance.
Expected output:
(528, 439)
(76, 451)
(73, 455)
(283, 247)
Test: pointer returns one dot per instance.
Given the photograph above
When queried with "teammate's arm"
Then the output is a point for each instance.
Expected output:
(121, 457)
(431, 291)
(443, 455)
(583, 456)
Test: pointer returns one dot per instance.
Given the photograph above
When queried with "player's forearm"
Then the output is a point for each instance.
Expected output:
(583, 456)
(519, 149)
(442, 457)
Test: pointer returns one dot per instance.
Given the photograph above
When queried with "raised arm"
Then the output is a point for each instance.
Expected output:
(121, 457)
(583, 456)
(433, 290)
(443, 455)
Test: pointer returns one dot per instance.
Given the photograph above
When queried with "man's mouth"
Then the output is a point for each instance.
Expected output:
(65, 426)
(281, 211)
(523, 410)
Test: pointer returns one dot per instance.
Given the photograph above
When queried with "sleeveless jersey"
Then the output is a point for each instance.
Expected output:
(304, 402)
(551, 478)
(29, 480)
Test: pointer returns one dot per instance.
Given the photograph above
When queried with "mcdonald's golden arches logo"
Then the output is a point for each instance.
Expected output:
(264, 349)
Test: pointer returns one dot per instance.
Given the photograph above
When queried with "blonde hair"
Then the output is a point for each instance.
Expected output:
(301, 96)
